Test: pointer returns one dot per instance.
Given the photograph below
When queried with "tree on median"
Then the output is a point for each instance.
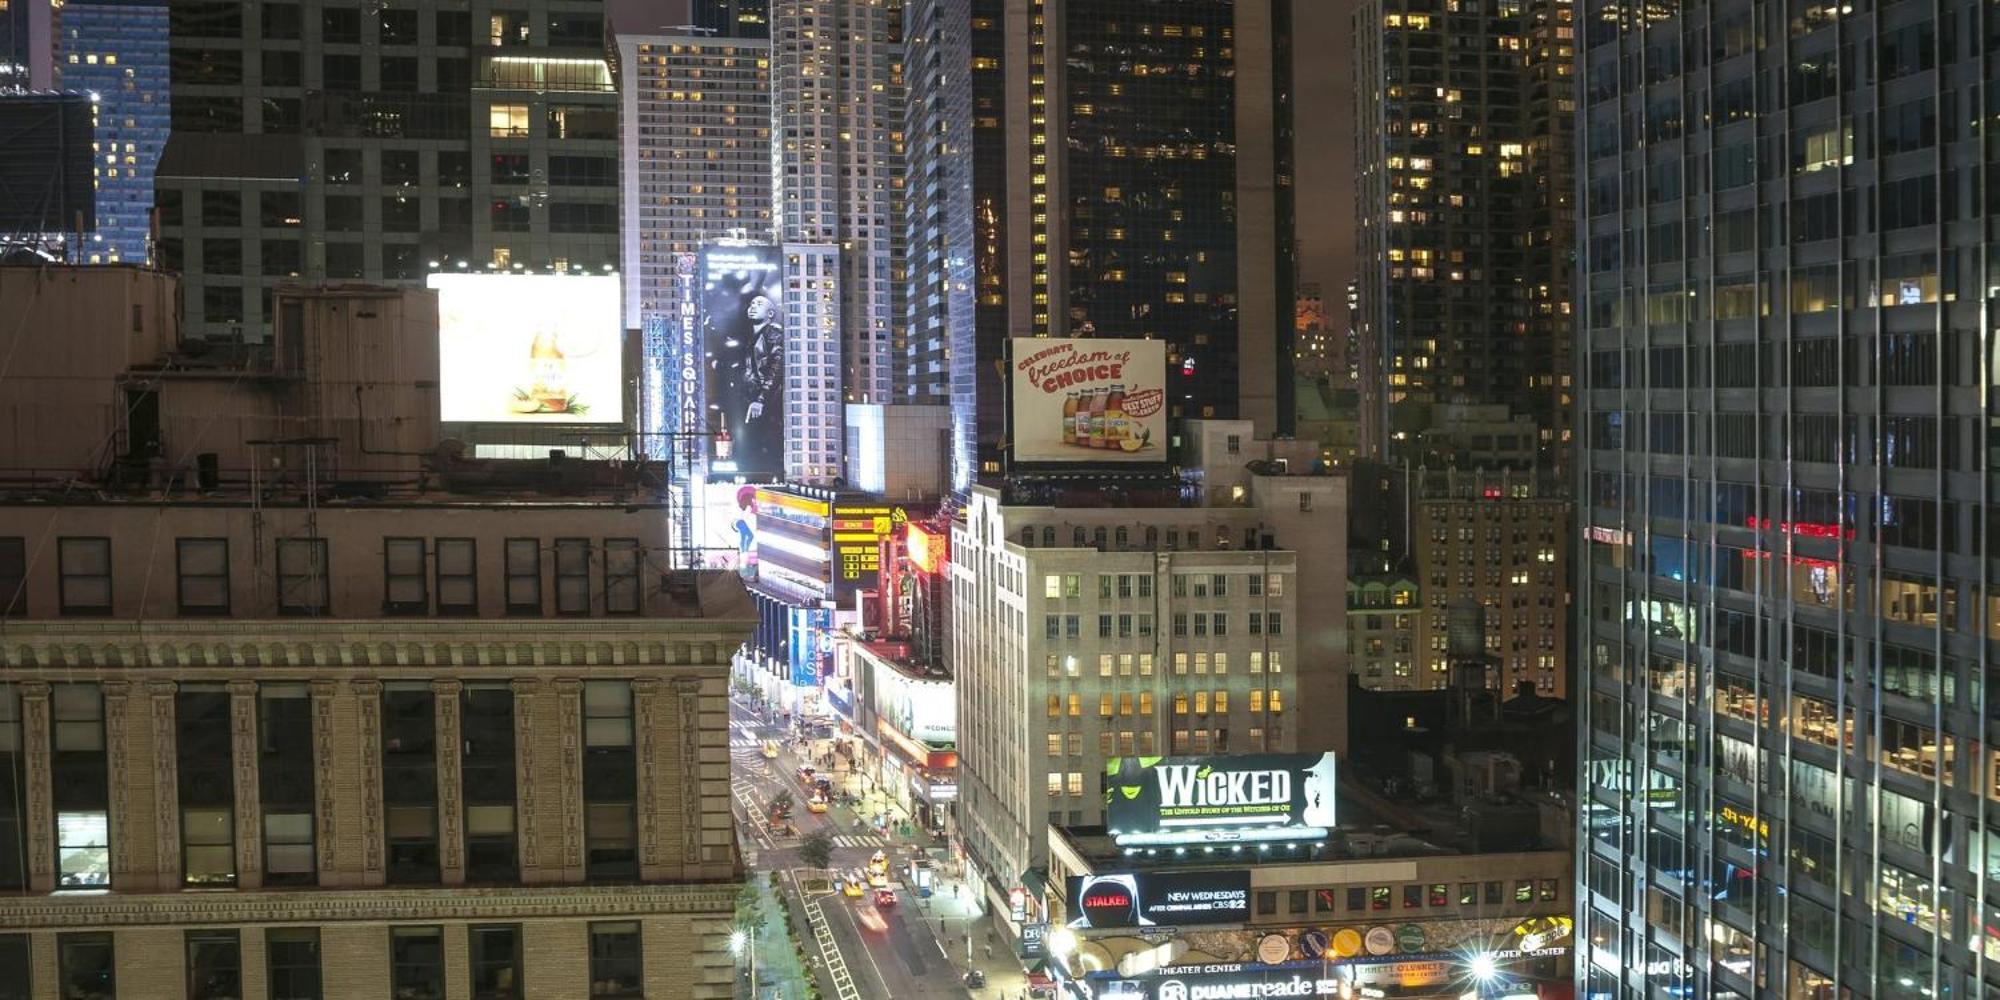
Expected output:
(817, 849)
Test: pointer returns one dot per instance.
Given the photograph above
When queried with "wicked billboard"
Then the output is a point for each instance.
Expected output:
(1158, 800)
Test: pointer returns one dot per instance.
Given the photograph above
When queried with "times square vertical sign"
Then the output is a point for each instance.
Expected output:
(688, 371)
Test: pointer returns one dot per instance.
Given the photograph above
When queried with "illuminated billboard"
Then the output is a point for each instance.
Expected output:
(1089, 400)
(858, 530)
(743, 340)
(529, 348)
(1245, 797)
(1158, 899)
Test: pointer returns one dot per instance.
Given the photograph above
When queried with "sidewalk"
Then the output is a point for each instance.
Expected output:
(951, 919)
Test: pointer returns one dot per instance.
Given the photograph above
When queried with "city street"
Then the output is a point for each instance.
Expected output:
(916, 948)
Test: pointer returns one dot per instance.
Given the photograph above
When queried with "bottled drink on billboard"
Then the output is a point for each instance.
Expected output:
(1069, 419)
(1097, 419)
(548, 373)
(723, 446)
(1083, 419)
(1114, 418)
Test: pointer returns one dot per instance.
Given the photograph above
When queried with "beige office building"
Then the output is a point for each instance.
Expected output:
(299, 702)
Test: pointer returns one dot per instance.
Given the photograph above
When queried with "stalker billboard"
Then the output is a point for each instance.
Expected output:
(1246, 797)
(1089, 400)
(1158, 899)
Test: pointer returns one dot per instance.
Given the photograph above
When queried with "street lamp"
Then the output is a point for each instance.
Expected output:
(741, 941)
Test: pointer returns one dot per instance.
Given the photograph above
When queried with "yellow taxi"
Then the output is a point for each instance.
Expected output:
(816, 804)
(852, 885)
(770, 749)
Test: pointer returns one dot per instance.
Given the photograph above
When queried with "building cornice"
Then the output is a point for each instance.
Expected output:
(274, 646)
(368, 905)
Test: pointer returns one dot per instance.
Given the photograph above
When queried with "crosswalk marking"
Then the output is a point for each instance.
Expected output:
(846, 840)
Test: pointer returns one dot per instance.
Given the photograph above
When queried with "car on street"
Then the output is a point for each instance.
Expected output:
(853, 885)
(975, 979)
(885, 898)
(770, 749)
(816, 804)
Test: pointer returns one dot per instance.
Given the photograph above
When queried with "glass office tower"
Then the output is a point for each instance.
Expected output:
(116, 51)
(1785, 606)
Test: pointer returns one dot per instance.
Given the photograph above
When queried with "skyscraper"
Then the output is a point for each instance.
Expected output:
(379, 144)
(1787, 606)
(837, 177)
(1160, 134)
(116, 51)
(1463, 181)
(28, 45)
(734, 18)
(696, 122)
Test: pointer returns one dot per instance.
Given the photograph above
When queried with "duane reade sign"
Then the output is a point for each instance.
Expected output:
(1247, 797)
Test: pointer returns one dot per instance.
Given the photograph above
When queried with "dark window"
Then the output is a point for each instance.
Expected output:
(454, 169)
(344, 213)
(614, 960)
(340, 72)
(487, 765)
(84, 967)
(18, 984)
(398, 27)
(510, 168)
(1413, 897)
(496, 961)
(221, 208)
(577, 30)
(292, 958)
(457, 576)
(204, 778)
(340, 25)
(13, 788)
(1357, 899)
(214, 965)
(207, 114)
(405, 584)
(283, 68)
(1295, 901)
(399, 73)
(222, 255)
(1492, 894)
(416, 963)
(281, 258)
(1267, 903)
(203, 568)
(524, 576)
(84, 569)
(285, 782)
(509, 215)
(623, 561)
(280, 209)
(610, 782)
(454, 28)
(13, 576)
(281, 20)
(582, 122)
(302, 576)
(401, 166)
(343, 166)
(584, 171)
(343, 260)
(572, 576)
(402, 214)
(409, 782)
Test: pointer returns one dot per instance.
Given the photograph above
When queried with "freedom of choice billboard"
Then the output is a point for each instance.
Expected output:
(1089, 400)
(1244, 797)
